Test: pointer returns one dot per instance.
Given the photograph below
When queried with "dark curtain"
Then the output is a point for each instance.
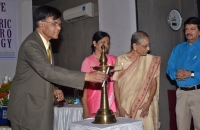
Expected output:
(198, 7)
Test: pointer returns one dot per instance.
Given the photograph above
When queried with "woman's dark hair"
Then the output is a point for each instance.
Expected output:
(193, 20)
(137, 37)
(98, 36)
(43, 12)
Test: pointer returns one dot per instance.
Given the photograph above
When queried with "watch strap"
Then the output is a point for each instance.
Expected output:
(192, 74)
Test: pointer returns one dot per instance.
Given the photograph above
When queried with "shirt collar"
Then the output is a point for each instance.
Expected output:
(46, 43)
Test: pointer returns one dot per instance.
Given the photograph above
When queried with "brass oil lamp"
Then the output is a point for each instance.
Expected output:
(104, 114)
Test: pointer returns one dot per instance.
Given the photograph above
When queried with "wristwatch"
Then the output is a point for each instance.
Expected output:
(192, 74)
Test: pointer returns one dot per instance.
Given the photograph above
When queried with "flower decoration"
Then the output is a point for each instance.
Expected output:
(5, 90)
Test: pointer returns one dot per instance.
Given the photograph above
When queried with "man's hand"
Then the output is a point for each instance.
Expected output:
(96, 76)
(59, 95)
(183, 74)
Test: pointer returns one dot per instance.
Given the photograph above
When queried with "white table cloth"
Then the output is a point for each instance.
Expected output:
(63, 114)
(122, 124)
(5, 128)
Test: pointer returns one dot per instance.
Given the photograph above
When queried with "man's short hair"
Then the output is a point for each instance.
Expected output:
(193, 20)
(43, 12)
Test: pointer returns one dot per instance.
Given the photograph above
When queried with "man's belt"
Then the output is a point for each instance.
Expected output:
(190, 88)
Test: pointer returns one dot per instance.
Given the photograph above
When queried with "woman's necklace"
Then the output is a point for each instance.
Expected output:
(95, 56)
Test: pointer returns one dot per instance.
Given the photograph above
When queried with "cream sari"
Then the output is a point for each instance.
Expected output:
(134, 80)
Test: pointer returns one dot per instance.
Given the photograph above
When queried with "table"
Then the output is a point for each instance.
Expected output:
(4, 128)
(63, 114)
(122, 124)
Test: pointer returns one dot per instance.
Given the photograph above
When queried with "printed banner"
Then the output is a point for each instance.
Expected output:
(8, 40)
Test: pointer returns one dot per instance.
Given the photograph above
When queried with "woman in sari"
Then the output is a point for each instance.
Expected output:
(92, 91)
(136, 82)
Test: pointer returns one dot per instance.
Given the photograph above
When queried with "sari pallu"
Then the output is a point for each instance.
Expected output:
(135, 83)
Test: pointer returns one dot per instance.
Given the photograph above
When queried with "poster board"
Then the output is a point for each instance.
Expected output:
(8, 40)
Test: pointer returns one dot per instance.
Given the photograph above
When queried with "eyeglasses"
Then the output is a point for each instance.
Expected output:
(55, 24)
(145, 46)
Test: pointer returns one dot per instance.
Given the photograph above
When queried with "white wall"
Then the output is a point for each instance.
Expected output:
(118, 19)
(24, 27)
